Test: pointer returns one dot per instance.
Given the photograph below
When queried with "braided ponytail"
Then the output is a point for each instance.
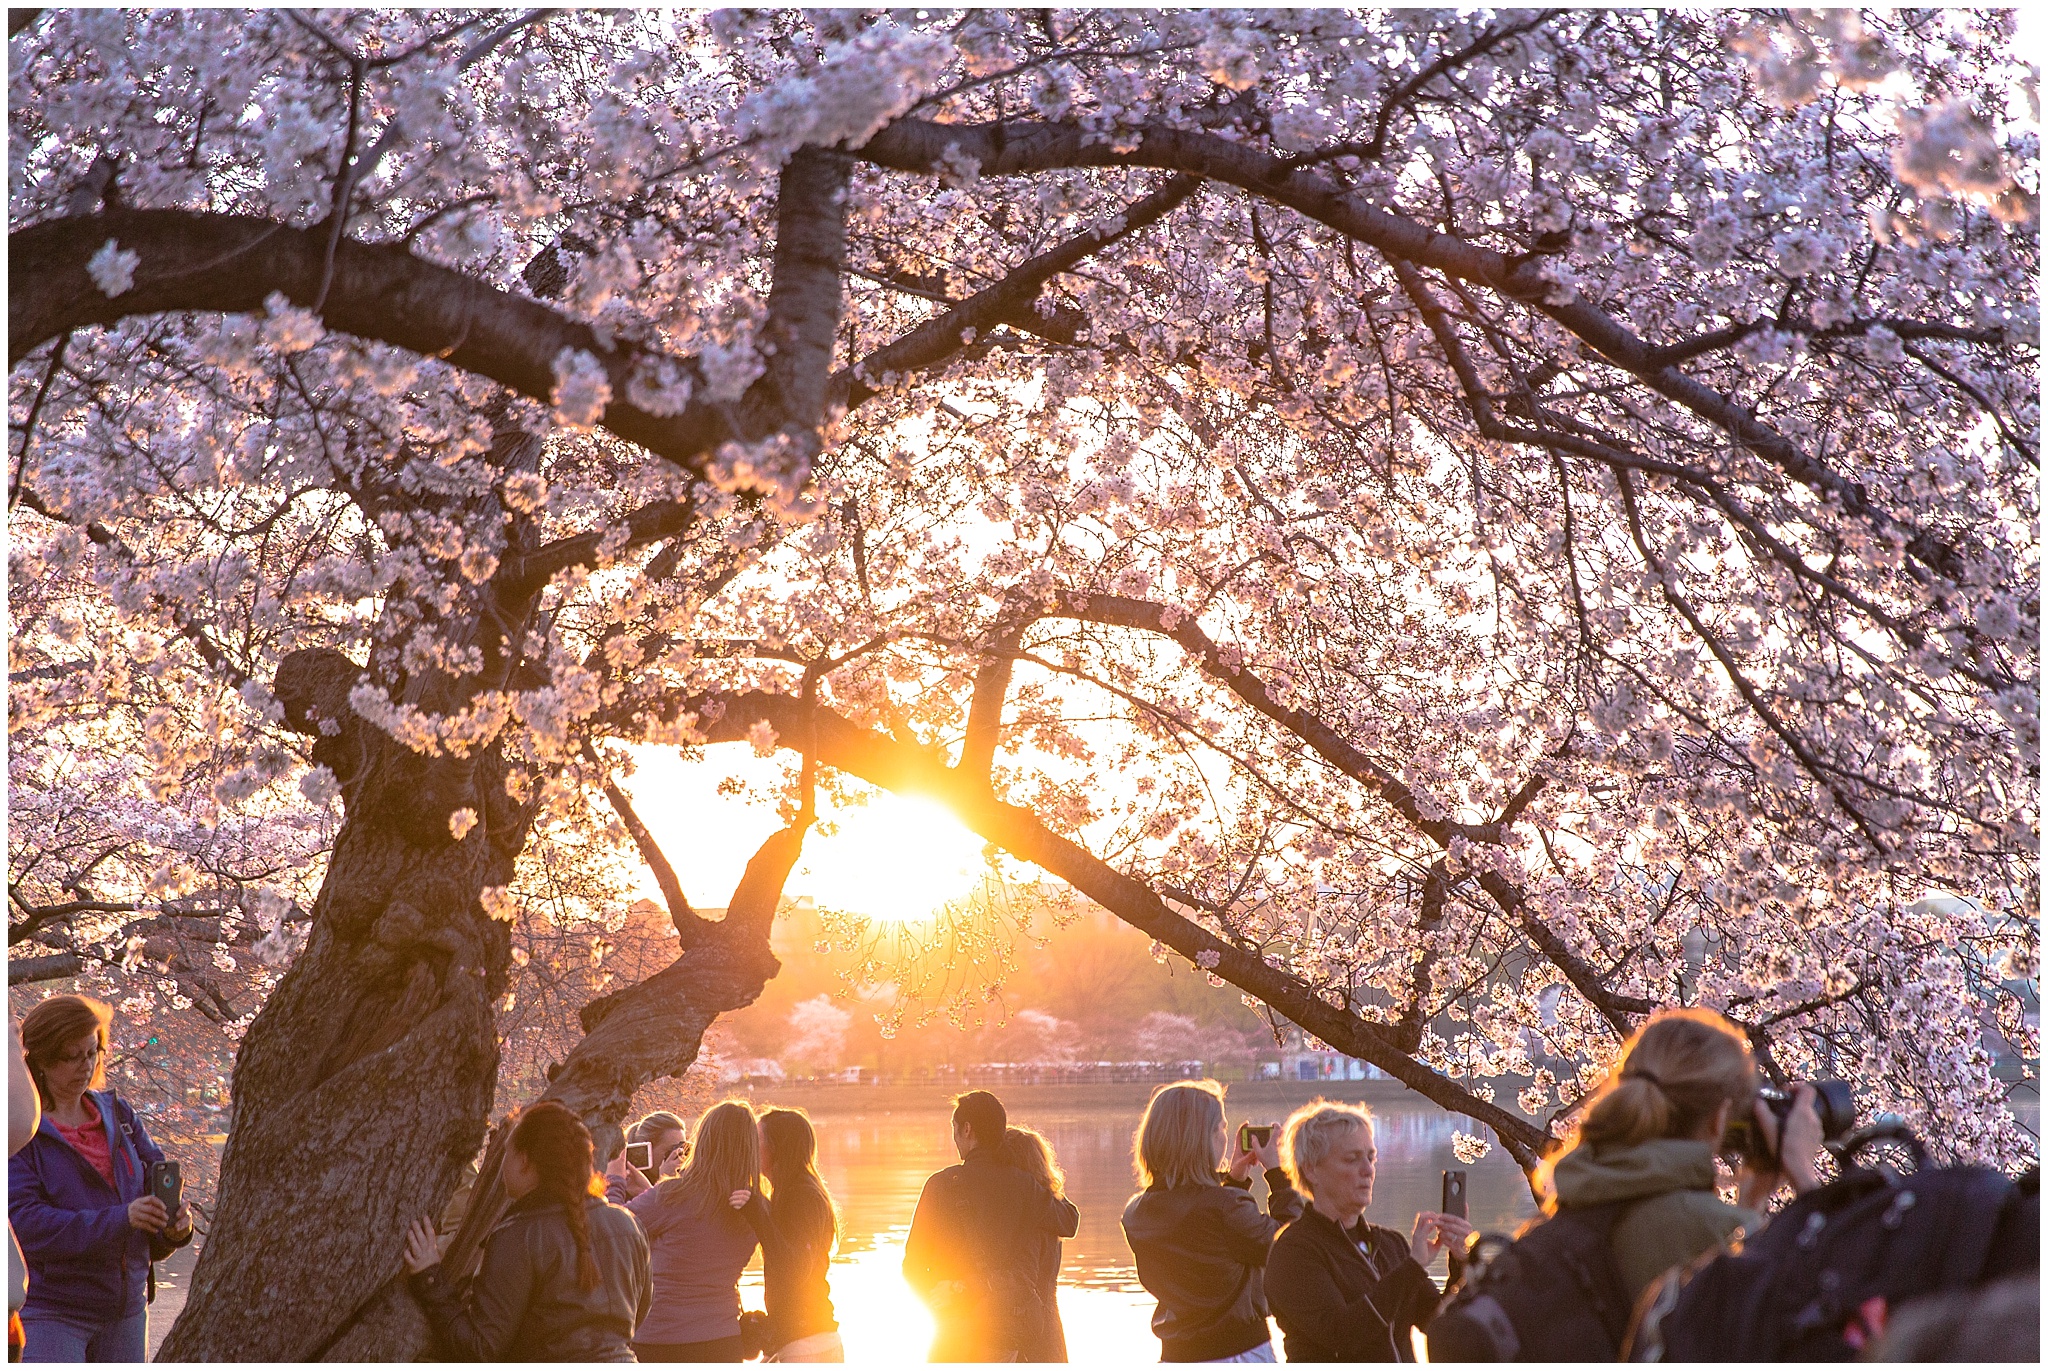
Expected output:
(557, 1144)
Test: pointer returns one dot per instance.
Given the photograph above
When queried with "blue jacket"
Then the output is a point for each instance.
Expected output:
(84, 1259)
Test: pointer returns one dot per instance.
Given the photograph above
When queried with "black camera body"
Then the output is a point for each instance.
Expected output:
(1833, 1101)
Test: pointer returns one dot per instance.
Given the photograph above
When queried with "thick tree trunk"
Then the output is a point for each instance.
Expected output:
(365, 1082)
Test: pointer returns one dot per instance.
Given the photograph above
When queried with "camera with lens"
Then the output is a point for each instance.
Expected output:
(1833, 1101)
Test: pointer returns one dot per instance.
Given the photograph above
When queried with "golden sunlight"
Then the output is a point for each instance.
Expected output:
(894, 858)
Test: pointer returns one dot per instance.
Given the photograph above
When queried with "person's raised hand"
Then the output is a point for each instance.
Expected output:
(422, 1247)
(738, 1198)
(1242, 1160)
(1800, 1146)
(628, 1175)
(1268, 1152)
(148, 1215)
(1433, 1233)
(181, 1221)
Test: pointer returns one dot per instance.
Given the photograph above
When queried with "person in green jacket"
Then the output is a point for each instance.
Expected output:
(1651, 1134)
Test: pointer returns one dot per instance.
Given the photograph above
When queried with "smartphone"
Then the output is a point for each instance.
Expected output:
(641, 1155)
(166, 1183)
(1251, 1135)
(1454, 1194)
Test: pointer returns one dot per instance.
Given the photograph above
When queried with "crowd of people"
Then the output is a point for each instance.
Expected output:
(638, 1257)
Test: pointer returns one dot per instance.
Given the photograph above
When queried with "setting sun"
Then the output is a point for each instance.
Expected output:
(893, 858)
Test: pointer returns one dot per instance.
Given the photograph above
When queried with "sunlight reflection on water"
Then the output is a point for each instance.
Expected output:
(876, 1160)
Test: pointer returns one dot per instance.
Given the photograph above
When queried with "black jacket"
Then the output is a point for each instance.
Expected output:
(1201, 1251)
(981, 1223)
(524, 1303)
(1328, 1302)
(1050, 1344)
(796, 1253)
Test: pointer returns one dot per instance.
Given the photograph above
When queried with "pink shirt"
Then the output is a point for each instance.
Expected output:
(89, 1140)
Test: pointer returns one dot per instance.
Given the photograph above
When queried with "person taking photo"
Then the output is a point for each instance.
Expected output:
(77, 1196)
(1198, 1236)
(1650, 1135)
(1344, 1289)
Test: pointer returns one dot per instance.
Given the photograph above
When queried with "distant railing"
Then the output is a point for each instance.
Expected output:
(1006, 1073)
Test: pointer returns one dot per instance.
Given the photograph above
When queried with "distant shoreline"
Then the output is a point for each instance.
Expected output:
(1269, 1097)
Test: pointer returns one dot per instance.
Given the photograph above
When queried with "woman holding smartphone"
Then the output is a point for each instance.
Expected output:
(656, 1146)
(1198, 1235)
(1344, 1289)
(78, 1196)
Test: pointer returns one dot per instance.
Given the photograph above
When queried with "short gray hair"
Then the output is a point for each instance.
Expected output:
(1314, 1130)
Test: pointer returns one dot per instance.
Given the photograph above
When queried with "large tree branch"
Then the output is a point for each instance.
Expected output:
(688, 925)
(651, 1029)
(1332, 747)
(57, 966)
(804, 299)
(230, 263)
(1012, 149)
(905, 769)
(1171, 622)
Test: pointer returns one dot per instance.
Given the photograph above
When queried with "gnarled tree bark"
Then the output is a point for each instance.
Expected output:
(363, 1085)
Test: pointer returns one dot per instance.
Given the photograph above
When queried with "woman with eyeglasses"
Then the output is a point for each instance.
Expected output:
(78, 1198)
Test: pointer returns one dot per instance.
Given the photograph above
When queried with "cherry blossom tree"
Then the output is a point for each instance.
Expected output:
(1467, 527)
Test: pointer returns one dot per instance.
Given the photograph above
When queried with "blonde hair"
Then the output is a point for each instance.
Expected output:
(1028, 1151)
(1176, 1142)
(1672, 1075)
(1313, 1130)
(727, 1158)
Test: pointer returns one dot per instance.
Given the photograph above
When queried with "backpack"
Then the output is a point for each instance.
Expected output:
(1553, 1294)
(1820, 1281)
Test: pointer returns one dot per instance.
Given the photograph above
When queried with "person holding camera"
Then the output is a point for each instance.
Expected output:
(1344, 1289)
(80, 1196)
(1200, 1241)
(1652, 1131)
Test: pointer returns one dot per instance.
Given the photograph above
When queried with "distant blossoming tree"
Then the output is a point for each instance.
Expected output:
(1467, 527)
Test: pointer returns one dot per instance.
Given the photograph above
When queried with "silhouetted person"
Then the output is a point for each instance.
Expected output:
(973, 1254)
(797, 1225)
(1028, 1151)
